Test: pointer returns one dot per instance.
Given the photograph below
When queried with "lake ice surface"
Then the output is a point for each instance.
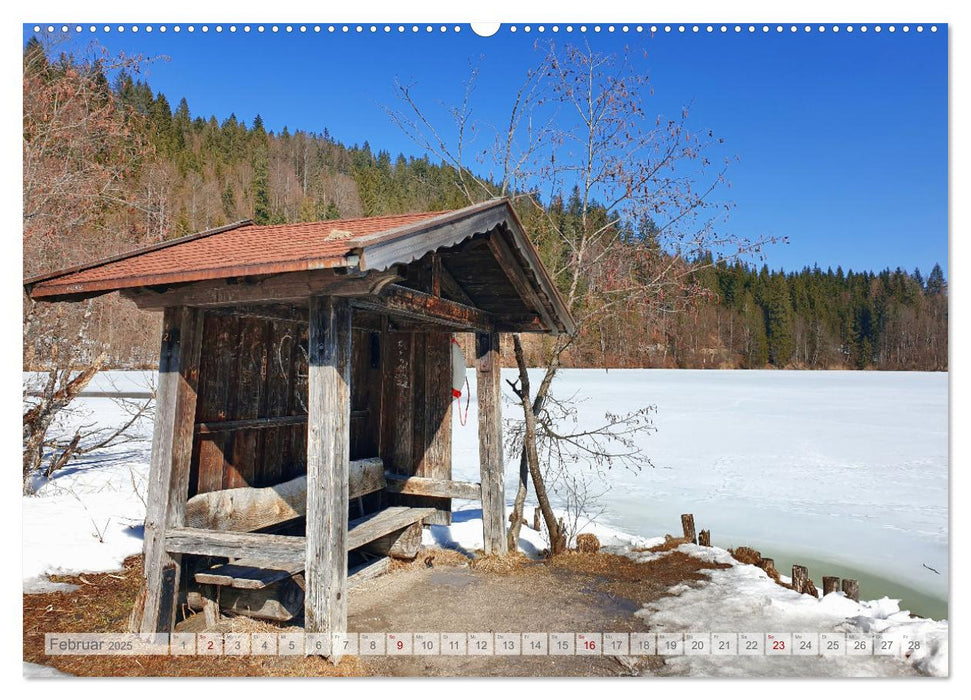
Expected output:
(846, 468)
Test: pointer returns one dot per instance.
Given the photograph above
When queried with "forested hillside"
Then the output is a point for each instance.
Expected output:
(112, 164)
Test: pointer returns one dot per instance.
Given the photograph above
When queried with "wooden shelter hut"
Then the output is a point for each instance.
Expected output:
(303, 418)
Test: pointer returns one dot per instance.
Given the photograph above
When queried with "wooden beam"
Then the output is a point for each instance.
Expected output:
(168, 484)
(328, 457)
(234, 545)
(412, 304)
(245, 509)
(226, 426)
(401, 544)
(365, 572)
(290, 287)
(490, 443)
(451, 287)
(516, 275)
(437, 488)
(371, 527)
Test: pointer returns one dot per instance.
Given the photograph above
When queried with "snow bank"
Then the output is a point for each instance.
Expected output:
(744, 599)
(89, 516)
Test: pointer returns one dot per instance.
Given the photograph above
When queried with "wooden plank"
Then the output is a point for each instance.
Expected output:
(249, 403)
(280, 602)
(436, 462)
(234, 545)
(216, 375)
(438, 488)
(278, 392)
(170, 462)
(490, 443)
(412, 304)
(328, 455)
(299, 401)
(397, 406)
(452, 289)
(401, 544)
(228, 426)
(273, 548)
(368, 571)
(371, 527)
(250, 573)
(517, 277)
(291, 287)
(246, 508)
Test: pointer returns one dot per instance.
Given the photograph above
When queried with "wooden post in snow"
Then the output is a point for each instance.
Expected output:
(688, 525)
(831, 584)
(851, 587)
(328, 457)
(168, 480)
(800, 576)
(704, 538)
(487, 370)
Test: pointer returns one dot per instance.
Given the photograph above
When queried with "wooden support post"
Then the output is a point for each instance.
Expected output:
(487, 370)
(800, 575)
(688, 525)
(831, 584)
(328, 458)
(168, 481)
(704, 538)
(851, 587)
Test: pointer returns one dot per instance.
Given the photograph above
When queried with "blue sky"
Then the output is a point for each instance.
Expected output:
(841, 138)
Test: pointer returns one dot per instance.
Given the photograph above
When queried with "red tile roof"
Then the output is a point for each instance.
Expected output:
(236, 250)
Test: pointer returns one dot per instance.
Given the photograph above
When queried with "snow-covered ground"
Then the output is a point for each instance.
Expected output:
(838, 467)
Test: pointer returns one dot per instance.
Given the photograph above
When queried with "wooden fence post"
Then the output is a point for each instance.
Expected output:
(800, 575)
(688, 525)
(168, 479)
(831, 584)
(487, 370)
(851, 587)
(704, 538)
(328, 457)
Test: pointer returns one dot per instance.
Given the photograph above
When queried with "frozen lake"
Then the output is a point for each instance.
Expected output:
(845, 472)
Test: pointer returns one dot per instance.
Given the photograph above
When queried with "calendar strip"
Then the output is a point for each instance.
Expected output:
(771, 644)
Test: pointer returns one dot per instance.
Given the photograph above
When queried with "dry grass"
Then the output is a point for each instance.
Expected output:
(634, 580)
(588, 543)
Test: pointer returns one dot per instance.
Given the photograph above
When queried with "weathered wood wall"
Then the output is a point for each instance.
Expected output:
(251, 368)
(416, 420)
(254, 368)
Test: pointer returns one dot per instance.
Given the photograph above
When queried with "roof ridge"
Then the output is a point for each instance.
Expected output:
(355, 219)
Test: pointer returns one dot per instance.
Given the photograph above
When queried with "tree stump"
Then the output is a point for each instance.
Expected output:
(688, 525)
(704, 538)
(768, 566)
(831, 584)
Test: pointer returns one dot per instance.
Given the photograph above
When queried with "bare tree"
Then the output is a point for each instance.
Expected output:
(81, 151)
(642, 217)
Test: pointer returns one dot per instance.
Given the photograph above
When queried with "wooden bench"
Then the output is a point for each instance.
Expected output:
(264, 577)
